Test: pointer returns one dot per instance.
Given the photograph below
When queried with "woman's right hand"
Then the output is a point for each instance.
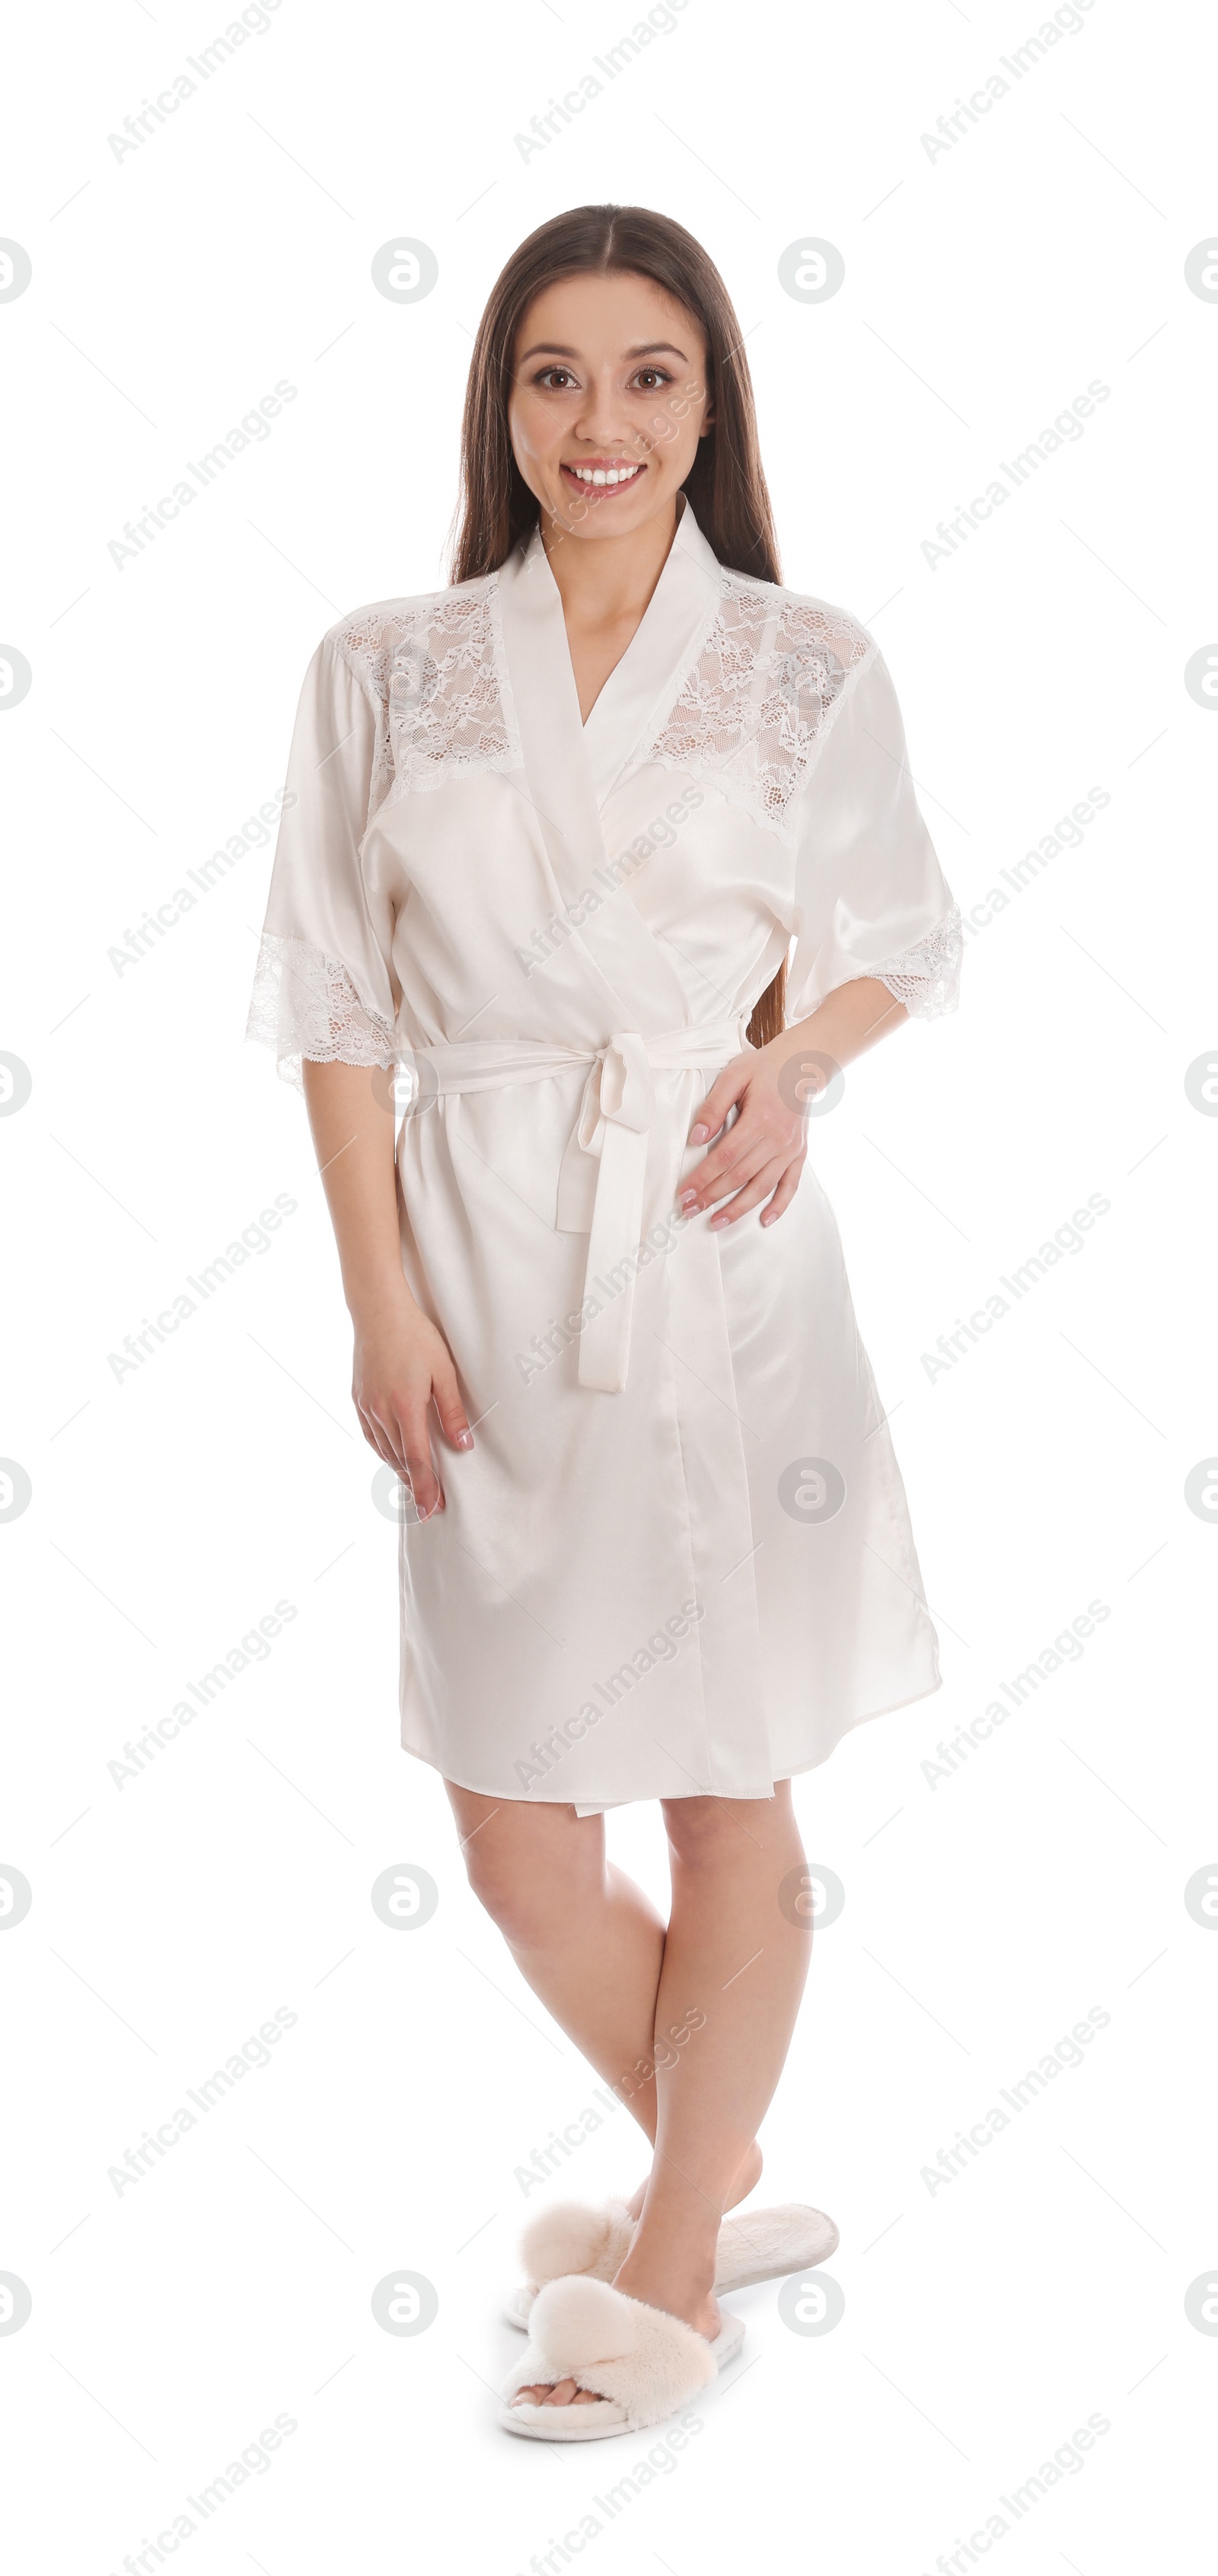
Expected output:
(402, 1366)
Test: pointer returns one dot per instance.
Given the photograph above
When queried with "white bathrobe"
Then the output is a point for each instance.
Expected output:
(678, 1559)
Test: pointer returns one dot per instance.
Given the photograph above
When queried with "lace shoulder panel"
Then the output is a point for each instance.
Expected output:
(753, 710)
(434, 671)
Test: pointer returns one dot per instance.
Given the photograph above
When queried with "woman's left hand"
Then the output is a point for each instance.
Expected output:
(774, 1087)
(761, 1155)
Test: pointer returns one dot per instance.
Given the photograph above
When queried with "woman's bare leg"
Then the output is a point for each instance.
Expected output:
(588, 1941)
(733, 1972)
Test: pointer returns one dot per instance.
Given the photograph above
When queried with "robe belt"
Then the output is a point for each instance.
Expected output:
(602, 1178)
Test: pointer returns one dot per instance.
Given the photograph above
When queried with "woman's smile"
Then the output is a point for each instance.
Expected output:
(608, 473)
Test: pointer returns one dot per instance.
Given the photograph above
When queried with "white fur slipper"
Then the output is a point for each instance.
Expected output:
(759, 2245)
(569, 2238)
(768, 2244)
(642, 2363)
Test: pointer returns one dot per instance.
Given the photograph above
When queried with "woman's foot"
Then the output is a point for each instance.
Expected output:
(687, 2297)
(681, 2291)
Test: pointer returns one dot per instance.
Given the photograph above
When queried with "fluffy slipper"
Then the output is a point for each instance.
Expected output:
(641, 2363)
(569, 2238)
(769, 2244)
(760, 2245)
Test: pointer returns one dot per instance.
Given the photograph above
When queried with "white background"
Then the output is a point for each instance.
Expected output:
(986, 1912)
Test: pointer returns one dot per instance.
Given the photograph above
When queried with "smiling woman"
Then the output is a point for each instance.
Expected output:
(605, 435)
(605, 1122)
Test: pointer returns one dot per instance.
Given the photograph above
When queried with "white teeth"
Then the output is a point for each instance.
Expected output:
(601, 474)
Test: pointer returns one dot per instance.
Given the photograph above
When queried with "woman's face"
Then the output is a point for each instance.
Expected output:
(609, 380)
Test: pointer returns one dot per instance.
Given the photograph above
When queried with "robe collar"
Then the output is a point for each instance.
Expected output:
(622, 971)
(642, 686)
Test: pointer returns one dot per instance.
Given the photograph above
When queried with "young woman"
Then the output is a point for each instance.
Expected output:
(552, 833)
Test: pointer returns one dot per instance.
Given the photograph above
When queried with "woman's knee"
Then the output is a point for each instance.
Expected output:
(709, 1833)
(532, 1870)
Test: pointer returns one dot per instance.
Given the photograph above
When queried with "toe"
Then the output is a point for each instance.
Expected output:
(562, 2392)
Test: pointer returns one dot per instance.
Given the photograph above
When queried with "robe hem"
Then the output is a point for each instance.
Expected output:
(649, 1797)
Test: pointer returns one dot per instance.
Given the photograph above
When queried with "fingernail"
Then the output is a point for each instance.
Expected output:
(465, 1440)
(698, 1135)
(688, 1199)
(717, 1221)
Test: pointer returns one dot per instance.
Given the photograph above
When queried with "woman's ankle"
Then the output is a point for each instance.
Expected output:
(745, 2181)
(680, 2281)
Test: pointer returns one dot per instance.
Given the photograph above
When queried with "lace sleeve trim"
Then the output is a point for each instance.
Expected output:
(305, 1005)
(927, 977)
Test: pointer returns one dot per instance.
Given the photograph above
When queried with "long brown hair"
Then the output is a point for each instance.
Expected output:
(725, 485)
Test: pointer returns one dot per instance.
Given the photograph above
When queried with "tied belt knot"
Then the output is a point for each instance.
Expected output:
(602, 1177)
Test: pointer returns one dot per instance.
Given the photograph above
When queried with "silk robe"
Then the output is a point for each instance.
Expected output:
(678, 1559)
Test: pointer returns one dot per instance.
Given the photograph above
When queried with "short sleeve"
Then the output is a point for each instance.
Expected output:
(870, 896)
(324, 987)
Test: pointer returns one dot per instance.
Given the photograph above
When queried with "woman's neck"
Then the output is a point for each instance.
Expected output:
(608, 581)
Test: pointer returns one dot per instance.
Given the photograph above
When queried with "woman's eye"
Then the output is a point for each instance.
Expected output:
(648, 379)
